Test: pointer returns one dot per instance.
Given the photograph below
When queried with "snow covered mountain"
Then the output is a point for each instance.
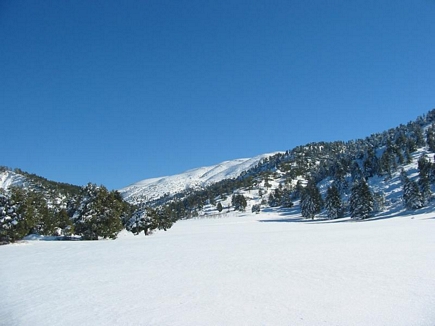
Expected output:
(9, 178)
(150, 189)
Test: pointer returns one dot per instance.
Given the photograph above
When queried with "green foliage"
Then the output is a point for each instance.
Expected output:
(238, 201)
(333, 203)
(311, 200)
(361, 201)
(100, 213)
(412, 198)
(147, 219)
(219, 207)
(11, 223)
(256, 208)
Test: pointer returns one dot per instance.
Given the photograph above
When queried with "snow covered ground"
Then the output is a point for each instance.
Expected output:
(266, 269)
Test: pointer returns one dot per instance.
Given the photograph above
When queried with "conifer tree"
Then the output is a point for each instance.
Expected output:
(219, 207)
(361, 201)
(11, 223)
(430, 138)
(100, 213)
(311, 201)
(256, 208)
(333, 203)
(142, 219)
(424, 167)
(412, 197)
(239, 202)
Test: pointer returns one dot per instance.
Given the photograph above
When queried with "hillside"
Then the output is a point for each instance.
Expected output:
(10, 178)
(387, 173)
(194, 179)
(381, 160)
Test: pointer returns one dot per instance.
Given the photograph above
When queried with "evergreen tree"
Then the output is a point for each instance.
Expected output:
(286, 200)
(361, 201)
(430, 138)
(386, 163)
(100, 213)
(143, 219)
(311, 201)
(11, 223)
(239, 202)
(412, 197)
(424, 167)
(256, 208)
(219, 207)
(333, 203)
(355, 171)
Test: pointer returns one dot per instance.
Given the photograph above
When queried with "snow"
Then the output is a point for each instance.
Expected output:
(273, 268)
(199, 177)
(10, 178)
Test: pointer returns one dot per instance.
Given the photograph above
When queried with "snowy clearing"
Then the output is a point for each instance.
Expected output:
(266, 269)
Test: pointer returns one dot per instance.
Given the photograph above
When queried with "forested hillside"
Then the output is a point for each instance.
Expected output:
(333, 178)
(389, 171)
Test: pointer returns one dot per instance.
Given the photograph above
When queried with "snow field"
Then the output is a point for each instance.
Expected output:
(247, 269)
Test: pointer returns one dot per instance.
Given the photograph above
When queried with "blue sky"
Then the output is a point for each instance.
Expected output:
(113, 92)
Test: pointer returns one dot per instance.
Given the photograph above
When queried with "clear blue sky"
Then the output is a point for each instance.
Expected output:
(113, 92)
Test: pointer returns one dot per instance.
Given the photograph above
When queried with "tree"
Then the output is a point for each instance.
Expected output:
(333, 203)
(311, 201)
(239, 202)
(412, 198)
(424, 168)
(361, 201)
(273, 200)
(387, 163)
(11, 223)
(219, 207)
(99, 214)
(430, 138)
(256, 208)
(143, 219)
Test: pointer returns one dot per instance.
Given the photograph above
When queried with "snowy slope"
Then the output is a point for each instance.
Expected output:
(266, 269)
(10, 178)
(150, 189)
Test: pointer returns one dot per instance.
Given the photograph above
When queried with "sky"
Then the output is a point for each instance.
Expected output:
(113, 92)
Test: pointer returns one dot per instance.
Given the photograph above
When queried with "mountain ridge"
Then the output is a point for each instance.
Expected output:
(196, 178)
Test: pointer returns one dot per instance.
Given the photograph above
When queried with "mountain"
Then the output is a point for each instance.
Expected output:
(9, 178)
(386, 174)
(194, 179)
(382, 161)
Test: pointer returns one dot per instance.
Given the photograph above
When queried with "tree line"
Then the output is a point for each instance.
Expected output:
(92, 213)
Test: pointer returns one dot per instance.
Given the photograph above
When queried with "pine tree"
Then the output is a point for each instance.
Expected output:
(412, 197)
(286, 198)
(100, 213)
(361, 201)
(430, 138)
(311, 201)
(219, 207)
(239, 202)
(424, 167)
(143, 219)
(11, 223)
(256, 208)
(333, 203)
(386, 163)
